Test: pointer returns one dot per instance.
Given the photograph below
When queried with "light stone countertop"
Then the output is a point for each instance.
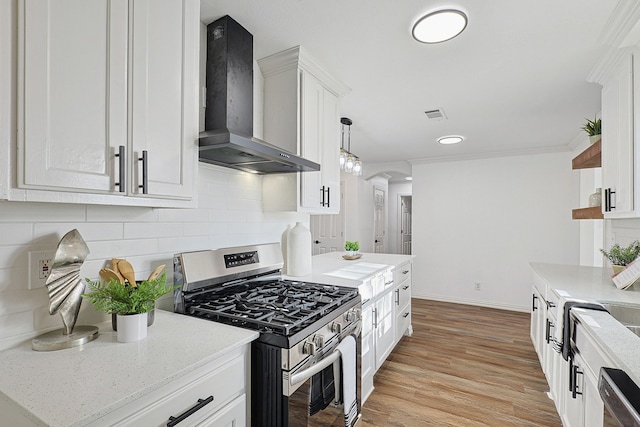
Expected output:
(325, 266)
(618, 343)
(81, 384)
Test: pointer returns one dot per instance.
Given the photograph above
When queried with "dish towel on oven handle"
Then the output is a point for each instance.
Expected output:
(347, 387)
(562, 332)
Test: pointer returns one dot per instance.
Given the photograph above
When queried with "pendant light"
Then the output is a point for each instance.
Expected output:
(348, 161)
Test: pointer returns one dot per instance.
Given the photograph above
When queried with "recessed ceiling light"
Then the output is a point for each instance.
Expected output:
(439, 26)
(450, 139)
(409, 178)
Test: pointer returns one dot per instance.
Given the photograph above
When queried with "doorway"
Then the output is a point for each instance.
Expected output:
(379, 200)
(404, 224)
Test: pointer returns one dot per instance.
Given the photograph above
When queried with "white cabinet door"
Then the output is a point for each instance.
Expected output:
(72, 112)
(100, 75)
(537, 321)
(312, 100)
(330, 149)
(618, 142)
(384, 327)
(164, 96)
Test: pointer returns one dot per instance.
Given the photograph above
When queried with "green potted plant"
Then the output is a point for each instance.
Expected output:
(131, 303)
(620, 257)
(352, 248)
(593, 128)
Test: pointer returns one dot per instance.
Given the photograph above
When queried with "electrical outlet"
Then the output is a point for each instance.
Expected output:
(40, 264)
(477, 286)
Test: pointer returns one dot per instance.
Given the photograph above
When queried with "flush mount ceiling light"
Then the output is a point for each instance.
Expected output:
(450, 139)
(439, 26)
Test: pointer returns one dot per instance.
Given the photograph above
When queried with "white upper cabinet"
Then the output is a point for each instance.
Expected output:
(302, 115)
(618, 140)
(97, 76)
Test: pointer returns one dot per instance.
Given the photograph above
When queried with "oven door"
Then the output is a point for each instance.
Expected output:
(313, 391)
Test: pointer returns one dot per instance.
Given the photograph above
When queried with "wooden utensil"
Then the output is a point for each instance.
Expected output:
(108, 274)
(126, 270)
(156, 272)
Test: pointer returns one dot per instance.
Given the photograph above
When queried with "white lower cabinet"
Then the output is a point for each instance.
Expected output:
(386, 317)
(217, 390)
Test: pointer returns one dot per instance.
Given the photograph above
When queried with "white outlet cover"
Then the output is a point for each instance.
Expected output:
(34, 264)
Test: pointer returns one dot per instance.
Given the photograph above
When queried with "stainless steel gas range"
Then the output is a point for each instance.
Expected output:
(306, 362)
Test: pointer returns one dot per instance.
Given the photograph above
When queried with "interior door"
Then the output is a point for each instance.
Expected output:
(405, 225)
(378, 219)
(327, 231)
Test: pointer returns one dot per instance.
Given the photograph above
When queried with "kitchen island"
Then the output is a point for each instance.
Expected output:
(104, 382)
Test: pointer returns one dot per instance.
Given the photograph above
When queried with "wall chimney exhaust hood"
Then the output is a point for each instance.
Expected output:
(227, 139)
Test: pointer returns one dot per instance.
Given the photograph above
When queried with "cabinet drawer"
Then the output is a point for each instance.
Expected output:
(402, 273)
(403, 294)
(224, 383)
(403, 320)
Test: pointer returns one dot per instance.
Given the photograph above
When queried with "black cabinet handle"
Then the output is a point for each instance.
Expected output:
(551, 304)
(574, 373)
(328, 197)
(322, 195)
(186, 414)
(406, 314)
(121, 183)
(145, 168)
(606, 200)
(548, 332)
(404, 288)
(533, 303)
(317, 242)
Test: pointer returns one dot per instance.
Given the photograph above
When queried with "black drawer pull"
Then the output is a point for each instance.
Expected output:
(145, 172)
(405, 315)
(404, 288)
(120, 156)
(186, 414)
(405, 271)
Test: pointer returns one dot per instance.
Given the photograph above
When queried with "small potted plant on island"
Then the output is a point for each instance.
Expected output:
(621, 257)
(593, 128)
(130, 302)
(352, 248)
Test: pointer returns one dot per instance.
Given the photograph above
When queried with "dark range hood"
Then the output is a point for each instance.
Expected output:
(227, 139)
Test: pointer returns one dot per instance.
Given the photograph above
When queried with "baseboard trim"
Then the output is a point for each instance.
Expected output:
(488, 304)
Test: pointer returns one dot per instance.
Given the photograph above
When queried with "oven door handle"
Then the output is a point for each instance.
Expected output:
(304, 375)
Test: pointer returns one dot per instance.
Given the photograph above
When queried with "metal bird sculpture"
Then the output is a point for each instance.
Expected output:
(64, 283)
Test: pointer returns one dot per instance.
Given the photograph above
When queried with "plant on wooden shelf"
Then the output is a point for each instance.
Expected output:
(593, 128)
(620, 257)
(352, 248)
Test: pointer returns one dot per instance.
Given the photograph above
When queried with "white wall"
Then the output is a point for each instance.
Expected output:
(229, 214)
(485, 220)
(396, 189)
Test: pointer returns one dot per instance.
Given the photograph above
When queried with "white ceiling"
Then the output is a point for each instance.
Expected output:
(513, 82)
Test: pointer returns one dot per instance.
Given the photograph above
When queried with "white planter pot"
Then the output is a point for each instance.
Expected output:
(132, 327)
(352, 253)
(594, 138)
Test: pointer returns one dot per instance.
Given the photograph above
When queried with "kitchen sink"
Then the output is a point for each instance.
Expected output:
(627, 314)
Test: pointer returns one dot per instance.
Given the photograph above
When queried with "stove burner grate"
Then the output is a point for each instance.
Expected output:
(279, 306)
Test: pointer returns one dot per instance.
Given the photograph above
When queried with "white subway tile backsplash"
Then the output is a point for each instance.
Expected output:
(89, 231)
(15, 234)
(101, 213)
(20, 212)
(229, 213)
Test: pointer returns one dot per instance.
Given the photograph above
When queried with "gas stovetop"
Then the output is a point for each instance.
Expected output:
(281, 307)
(243, 287)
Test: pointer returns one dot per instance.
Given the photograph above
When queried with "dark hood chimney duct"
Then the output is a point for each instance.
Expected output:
(228, 136)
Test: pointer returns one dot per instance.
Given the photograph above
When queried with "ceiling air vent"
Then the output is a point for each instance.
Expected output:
(437, 114)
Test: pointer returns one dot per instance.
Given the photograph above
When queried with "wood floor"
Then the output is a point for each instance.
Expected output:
(463, 366)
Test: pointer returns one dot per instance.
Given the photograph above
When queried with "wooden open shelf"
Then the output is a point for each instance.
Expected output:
(589, 158)
(587, 213)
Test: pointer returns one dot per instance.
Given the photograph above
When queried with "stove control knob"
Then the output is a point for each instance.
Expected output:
(309, 348)
(350, 316)
(336, 328)
(319, 341)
